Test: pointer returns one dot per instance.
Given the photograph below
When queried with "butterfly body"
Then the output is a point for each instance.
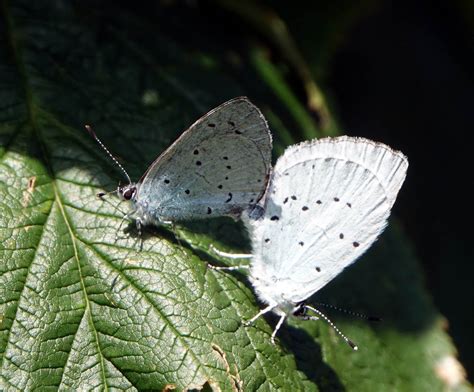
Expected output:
(272, 290)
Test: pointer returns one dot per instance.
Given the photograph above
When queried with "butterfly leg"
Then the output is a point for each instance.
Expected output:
(124, 218)
(261, 313)
(101, 196)
(306, 318)
(175, 232)
(139, 224)
(280, 322)
(233, 268)
(230, 255)
(108, 296)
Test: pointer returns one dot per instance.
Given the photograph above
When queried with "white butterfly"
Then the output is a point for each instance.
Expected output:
(327, 202)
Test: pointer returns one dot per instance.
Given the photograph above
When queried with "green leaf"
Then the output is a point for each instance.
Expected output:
(81, 306)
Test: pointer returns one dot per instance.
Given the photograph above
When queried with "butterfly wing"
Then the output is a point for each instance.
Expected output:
(219, 166)
(328, 202)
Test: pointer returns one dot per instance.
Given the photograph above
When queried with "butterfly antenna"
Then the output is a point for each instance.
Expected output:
(349, 312)
(101, 195)
(92, 133)
(325, 318)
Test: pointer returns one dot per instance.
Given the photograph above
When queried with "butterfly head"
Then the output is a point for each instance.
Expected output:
(127, 192)
(300, 310)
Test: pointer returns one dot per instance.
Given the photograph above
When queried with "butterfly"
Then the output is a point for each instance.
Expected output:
(218, 167)
(327, 202)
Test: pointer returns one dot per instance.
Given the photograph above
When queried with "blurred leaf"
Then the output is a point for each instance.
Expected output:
(267, 22)
(81, 306)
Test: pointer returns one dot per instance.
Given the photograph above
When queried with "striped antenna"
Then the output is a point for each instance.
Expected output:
(92, 133)
(349, 312)
(324, 317)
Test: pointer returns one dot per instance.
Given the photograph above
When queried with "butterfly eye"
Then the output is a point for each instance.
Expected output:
(300, 310)
(128, 193)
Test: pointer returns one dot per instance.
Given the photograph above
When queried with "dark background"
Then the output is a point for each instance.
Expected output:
(405, 75)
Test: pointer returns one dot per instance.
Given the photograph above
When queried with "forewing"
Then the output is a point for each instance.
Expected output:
(219, 166)
(328, 202)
